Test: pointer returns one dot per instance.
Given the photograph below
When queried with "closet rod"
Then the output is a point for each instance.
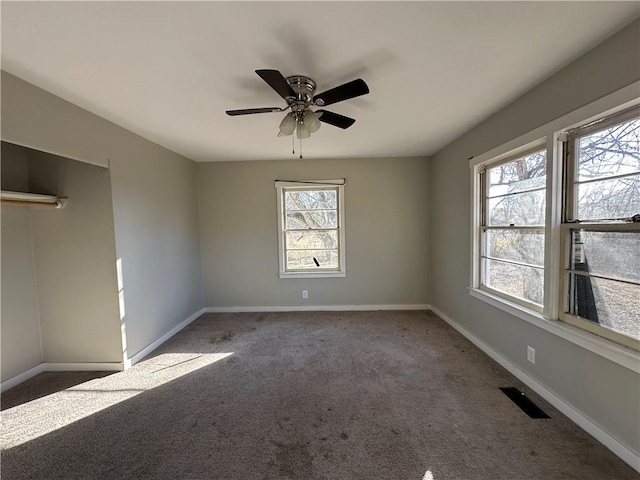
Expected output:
(27, 203)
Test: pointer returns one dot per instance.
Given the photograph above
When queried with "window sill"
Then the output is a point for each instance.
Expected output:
(605, 348)
(312, 274)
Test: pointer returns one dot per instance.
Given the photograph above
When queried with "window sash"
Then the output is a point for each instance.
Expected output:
(610, 177)
(484, 178)
(519, 192)
(571, 158)
(483, 256)
(570, 221)
(605, 122)
(284, 270)
(602, 276)
(484, 244)
(285, 230)
(567, 287)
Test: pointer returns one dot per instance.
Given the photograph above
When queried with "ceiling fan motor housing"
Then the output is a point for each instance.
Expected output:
(304, 88)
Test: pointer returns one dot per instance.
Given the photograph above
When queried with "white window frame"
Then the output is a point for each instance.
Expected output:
(570, 223)
(483, 185)
(281, 187)
(550, 319)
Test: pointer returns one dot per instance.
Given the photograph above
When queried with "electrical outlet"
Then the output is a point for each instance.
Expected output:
(531, 354)
(305, 294)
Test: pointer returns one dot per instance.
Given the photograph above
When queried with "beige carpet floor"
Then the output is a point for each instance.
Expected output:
(314, 395)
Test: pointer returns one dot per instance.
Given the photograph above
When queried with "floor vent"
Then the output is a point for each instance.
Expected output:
(526, 405)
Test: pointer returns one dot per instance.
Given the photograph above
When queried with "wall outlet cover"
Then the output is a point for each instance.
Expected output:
(531, 354)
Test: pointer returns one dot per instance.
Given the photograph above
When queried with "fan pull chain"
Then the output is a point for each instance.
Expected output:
(293, 144)
(300, 149)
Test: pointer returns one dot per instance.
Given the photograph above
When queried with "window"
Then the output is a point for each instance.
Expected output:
(311, 228)
(602, 195)
(512, 227)
(556, 226)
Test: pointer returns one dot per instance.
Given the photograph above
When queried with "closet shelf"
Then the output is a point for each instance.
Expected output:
(31, 199)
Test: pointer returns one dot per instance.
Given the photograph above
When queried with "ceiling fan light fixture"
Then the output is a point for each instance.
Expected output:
(311, 121)
(303, 131)
(287, 126)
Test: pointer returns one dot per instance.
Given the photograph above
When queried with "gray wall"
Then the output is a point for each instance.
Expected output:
(158, 240)
(386, 204)
(75, 261)
(603, 391)
(19, 322)
(155, 208)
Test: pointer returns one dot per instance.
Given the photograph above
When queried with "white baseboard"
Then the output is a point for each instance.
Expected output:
(130, 361)
(21, 377)
(584, 422)
(83, 367)
(97, 366)
(60, 367)
(317, 308)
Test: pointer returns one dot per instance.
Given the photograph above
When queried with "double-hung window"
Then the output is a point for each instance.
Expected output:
(311, 228)
(512, 227)
(556, 225)
(601, 227)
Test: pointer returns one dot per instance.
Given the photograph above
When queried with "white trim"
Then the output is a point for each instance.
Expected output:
(96, 366)
(597, 329)
(476, 221)
(21, 377)
(523, 151)
(553, 218)
(614, 352)
(341, 271)
(60, 367)
(618, 100)
(130, 361)
(479, 210)
(317, 308)
(626, 454)
(310, 183)
(521, 303)
(326, 274)
(83, 366)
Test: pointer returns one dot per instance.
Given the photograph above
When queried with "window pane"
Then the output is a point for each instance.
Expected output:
(516, 280)
(303, 259)
(612, 254)
(311, 199)
(614, 151)
(312, 219)
(526, 173)
(519, 245)
(613, 305)
(609, 199)
(521, 209)
(312, 239)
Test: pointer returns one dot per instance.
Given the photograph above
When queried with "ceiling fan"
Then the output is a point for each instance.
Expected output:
(299, 93)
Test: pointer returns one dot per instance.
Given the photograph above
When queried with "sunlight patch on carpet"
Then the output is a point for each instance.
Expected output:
(44, 415)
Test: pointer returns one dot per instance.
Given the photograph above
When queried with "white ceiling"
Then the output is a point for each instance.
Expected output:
(169, 70)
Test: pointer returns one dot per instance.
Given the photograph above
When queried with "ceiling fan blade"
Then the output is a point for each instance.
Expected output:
(352, 89)
(276, 81)
(248, 111)
(335, 119)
